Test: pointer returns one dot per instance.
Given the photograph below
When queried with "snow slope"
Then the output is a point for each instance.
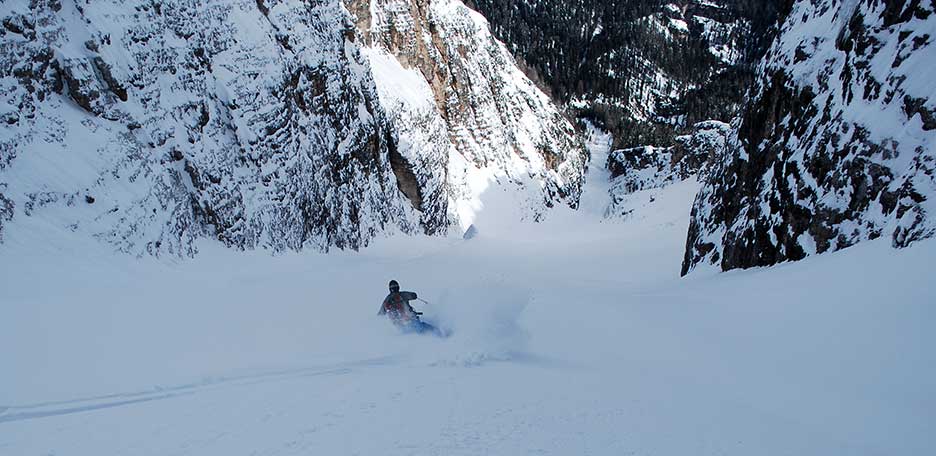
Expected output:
(573, 336)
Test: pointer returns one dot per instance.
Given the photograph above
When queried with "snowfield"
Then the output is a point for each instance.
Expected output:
(573, 336)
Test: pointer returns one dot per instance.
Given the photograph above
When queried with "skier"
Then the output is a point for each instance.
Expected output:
(396, 306)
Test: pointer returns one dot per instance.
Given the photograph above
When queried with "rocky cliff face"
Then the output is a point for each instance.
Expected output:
(836, 145)
(150, 124)
(467, 116)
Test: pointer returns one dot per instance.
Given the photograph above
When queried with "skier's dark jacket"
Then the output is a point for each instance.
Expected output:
(396, 306)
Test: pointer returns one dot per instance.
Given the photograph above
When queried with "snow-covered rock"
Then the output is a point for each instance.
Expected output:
(466, 116)
(836, 145)
(642, 168)
(152, 124)
(149, 124)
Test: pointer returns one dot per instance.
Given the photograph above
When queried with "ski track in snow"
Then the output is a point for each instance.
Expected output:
(84, 404)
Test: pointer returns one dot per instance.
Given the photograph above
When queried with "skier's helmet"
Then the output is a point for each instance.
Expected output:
(394, 286)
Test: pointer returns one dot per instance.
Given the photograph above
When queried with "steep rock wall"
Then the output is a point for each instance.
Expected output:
(152, 123)
(465, 112)
(836, 145)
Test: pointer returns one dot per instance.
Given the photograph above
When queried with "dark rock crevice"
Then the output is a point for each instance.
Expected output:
(406, 179)
(6, 210)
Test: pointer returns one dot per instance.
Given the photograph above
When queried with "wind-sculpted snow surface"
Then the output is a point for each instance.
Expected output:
(836, 145)
(149, 124)
(466, 115)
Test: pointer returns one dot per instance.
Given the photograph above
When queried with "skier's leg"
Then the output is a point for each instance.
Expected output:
(423, 327)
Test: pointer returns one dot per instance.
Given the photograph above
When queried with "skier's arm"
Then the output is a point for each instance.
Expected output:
(407, 297)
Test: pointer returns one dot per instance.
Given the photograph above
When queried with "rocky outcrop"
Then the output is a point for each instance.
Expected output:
(6, 212)
(641, 168)
(463, 110)
(152, 123)
(836, 145)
